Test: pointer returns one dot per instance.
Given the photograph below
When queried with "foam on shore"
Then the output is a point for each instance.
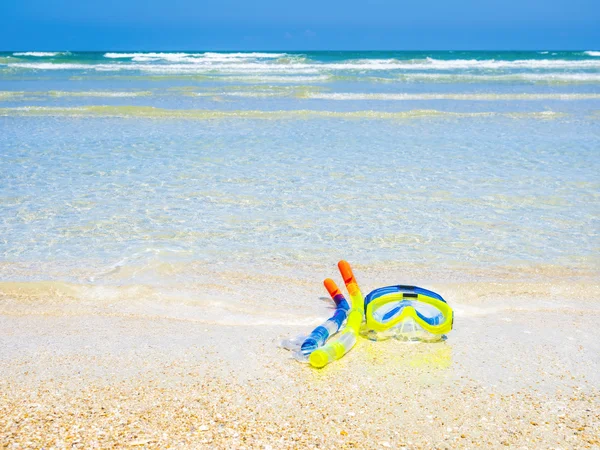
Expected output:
(198, 114)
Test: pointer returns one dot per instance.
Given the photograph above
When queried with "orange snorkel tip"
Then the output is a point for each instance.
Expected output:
(336, 294)
(346, 272)
(332, 288)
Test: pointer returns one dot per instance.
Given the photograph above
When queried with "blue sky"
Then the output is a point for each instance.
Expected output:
(301, 25)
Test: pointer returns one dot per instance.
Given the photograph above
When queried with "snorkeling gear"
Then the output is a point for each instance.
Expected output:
(407, 313)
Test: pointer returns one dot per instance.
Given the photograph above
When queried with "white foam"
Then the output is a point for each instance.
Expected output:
(472, 97)
(592, 53)
(276, 79)
(463, 64)
(530, 77)
(116, 94)
(193, 68)
(192, 57)
(186, 63)
(148, 55)
(10, 94)
(39, 54)
(243, 94)
(439, 64)
(119, 55)
(581, 77)
(53, 66)
(243, 55)
(47, 108)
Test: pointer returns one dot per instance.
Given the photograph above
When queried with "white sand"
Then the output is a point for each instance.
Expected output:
(518, 376)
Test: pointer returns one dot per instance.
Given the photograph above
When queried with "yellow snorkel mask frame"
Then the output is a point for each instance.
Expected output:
(405, 296)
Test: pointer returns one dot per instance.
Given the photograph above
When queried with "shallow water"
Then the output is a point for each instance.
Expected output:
(211, 182)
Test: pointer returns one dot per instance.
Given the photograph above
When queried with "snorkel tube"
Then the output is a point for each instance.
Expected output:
(319, 335)
(303, 346)
(346, 339)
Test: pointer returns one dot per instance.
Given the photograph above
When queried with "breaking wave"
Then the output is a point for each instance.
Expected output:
(40, 54)
(444, 96)
(280, 63)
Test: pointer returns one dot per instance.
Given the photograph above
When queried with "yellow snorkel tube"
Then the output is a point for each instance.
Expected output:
(348, 335)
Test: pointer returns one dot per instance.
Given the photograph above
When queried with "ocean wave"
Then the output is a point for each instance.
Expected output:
(40, 54)
(251, 60)
(150, 55)
(549, 77)
(592, 53)
(194, 68)
(288, 78)
(243, 55)
(10, 95)
(305, 74)
(55, 66)
(445, 96)
(261, 91)
(207, 57)
(258, 79)
(200, 114)
(262, 79)
(183, 63)
(463, 64)
(117, 94)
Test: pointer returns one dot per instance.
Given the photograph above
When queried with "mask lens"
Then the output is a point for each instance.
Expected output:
(389, 311)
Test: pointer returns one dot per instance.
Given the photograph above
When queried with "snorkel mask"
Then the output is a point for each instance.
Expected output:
(408, 313)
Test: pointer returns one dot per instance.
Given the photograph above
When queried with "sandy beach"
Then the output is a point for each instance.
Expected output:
(522, 377)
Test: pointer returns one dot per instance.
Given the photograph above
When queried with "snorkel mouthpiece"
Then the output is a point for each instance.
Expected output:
(333, 350)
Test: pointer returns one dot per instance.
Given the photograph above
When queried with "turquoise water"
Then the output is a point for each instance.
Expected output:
(158, 167)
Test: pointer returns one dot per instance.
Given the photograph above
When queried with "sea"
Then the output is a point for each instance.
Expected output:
(225, 186)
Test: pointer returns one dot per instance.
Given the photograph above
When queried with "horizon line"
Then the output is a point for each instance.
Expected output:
(298, 51)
